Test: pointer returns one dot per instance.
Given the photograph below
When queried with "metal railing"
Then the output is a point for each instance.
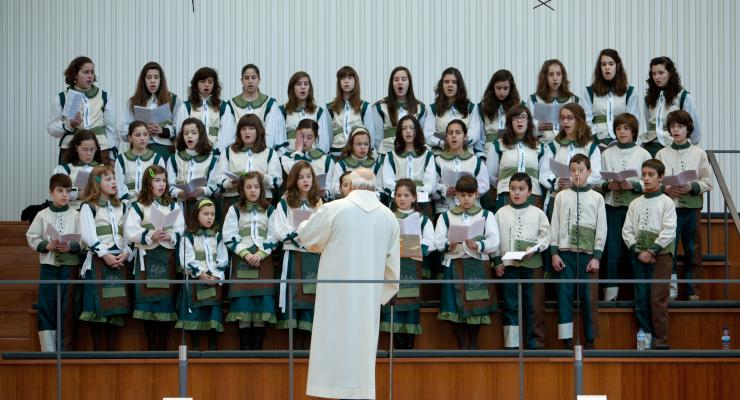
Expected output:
(577, 354)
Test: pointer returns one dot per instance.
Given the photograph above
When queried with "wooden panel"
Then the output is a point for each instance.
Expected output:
(445, 378)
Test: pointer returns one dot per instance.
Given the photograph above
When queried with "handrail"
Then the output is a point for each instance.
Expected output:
(723, 185)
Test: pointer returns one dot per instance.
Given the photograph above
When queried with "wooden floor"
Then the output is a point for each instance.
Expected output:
(422, 379)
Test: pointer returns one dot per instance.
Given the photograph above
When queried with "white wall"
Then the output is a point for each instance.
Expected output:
(40, 37)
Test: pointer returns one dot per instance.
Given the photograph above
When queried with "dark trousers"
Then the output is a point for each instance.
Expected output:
(617, 254)
(533, 307)
(47, 307)
(575, 268)
(687, 231)
(651, 299)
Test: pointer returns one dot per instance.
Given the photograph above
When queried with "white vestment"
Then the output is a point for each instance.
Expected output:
(358, 238)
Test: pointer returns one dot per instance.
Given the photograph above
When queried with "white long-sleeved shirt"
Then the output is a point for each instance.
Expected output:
(602, 109)
(419, 168)
(487, 244)
(101, 229)
(562, 152)
(522, 227)
(204, 252)
(264, 107)
(650, 224)
(220, 125)
(503, 162)
(266, 162)
(578, 222)
(97, 112)
(65, 220)
(139, 229)
(435, 123)
(679, 158)
(168, 127)
(249, 231)
(384, 128)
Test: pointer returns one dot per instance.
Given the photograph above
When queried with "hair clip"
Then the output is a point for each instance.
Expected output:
(151, 172)
(205, 202)
(98, 178)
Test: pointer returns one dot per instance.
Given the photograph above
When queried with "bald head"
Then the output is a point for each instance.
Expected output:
(362, 179)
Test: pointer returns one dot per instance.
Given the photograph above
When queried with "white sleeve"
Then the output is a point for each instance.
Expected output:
(178, 228)
(595, 177)
(57, 126)
(633, 105)
(281, 134)
(172, 178)
(370, 124)
(230, 230)
(430, 127)
(482, 177)
(492, 165)
(135, 233)
(491, 241)
(59, 169)
(429, 183)
(222, 257)
(690, 108)
(389, 176)
(187, 259)
(89, 232)
(109, 119)
(324, 132)
(274, 125)
(335, 186)
(227, 133)
(121, 179)
(126, 120)
(547, 177)
(377, 125)
(427, 236)
(440, 235)
(474, 131)
(182, 115)
(282, 230)
(587, 107)
(221, 168)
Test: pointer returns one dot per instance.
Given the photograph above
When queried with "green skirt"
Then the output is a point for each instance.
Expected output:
(155, 301)
(300, 265)
(200, 308)
(469, 303)
(105, 303)
(251, 302)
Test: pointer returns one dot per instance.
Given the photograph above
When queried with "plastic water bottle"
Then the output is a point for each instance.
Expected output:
(641, 340)
(725, 338)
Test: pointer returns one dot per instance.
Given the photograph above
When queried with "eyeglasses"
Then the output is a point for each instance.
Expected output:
(87, 149)
(567, 118)
(521, 117)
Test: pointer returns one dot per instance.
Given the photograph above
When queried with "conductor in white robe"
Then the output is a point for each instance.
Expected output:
(358, 238)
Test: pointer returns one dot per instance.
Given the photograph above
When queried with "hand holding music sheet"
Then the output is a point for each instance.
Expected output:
(518, 255)
(461, 233)
(81, 180)
(53, 234)
(153, 116)
(619, 176)
(559, 169)
(547, 113)
(681, 179)
(300, 215)
(234, 177)
(190, 187)
(410, 225)
(450, 177)
(72, 104)
(161, 220)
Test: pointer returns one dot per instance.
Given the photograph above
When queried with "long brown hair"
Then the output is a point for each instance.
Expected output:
(250, 120)
(490, 103)
(671, 89)
(70, 155)
(262, 199)
(583, 131)
(543, 89)
(200, 75)
(347, 149)
(203, 146)
(141, 94)
(461, 98)
(412, 104)
(419, 145)
(509, 136)
(145, 194)
(292, 104)
(619, 84)
(292, 194)
(354, 99)
(92, 190)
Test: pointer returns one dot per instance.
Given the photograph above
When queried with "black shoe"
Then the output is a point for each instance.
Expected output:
(410, 341)
(589, 345)
(245, 337)
(568, 344)
(258, 335)
(661, 346)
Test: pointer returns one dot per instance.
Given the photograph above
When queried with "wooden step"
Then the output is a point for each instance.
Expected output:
(413, 378)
